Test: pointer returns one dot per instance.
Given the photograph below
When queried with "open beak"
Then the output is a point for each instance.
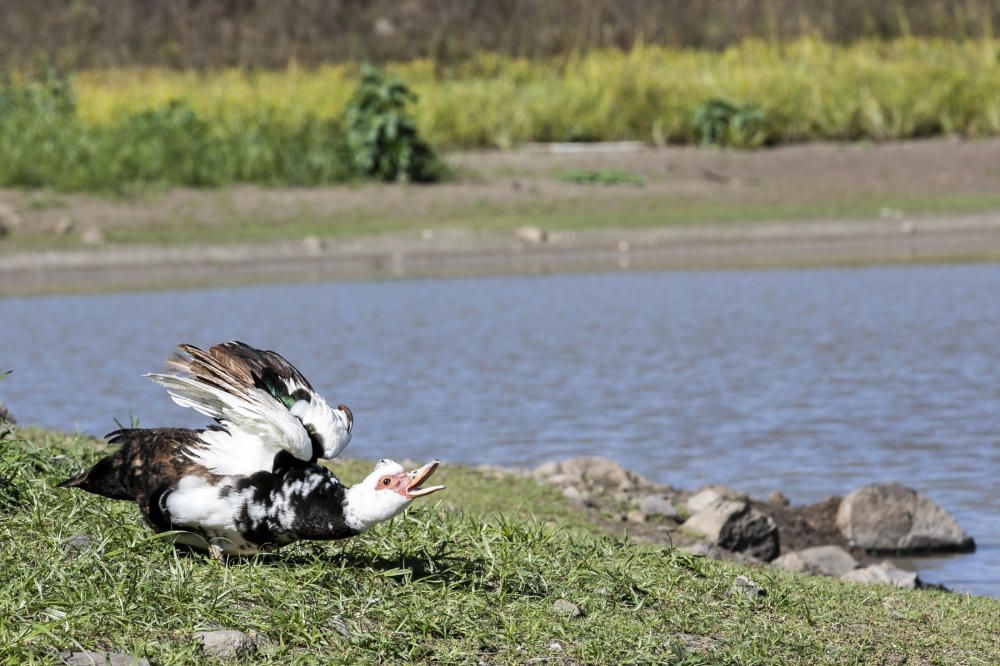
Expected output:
(418, 476)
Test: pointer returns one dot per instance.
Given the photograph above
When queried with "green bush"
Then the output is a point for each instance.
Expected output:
(44, 143)
(381, 133)
(722, 123)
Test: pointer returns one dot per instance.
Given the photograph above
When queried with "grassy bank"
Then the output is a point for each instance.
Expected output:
(474, 576)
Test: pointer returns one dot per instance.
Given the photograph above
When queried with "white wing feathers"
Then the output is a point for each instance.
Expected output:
(257, 427)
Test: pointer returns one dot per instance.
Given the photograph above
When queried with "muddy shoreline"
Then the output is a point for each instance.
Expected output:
(455, 253)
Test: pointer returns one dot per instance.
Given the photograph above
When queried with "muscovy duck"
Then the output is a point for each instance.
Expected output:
(250, 481)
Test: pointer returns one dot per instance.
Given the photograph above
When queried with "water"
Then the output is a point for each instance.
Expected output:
(813, 382)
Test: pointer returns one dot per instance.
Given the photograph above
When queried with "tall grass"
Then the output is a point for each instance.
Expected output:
(806, 90)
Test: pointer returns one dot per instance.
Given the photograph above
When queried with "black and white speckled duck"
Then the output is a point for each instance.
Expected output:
(251, 480)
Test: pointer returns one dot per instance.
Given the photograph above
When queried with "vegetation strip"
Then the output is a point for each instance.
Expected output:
(117, 130)
(500, 577)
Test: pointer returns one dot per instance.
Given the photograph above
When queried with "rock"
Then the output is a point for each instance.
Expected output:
(224, 643)
(778, 498)
(889, 517)
(546, 470)
(573, 495)
(884, 573)
(313, 244)
(568, 608)
(384, 28)
(590, 473)
(88, 658)
(738, 527)
(9, 219)
(710, 495)
(744, 587)
(531, 234)
(635, 516)
(701, 500)
(63, 226)
(77, 544)
(92, 236)
(820, 560)
(657, 505)
(556, 646)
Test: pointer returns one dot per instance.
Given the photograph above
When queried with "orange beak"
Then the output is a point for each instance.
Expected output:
(412, 480)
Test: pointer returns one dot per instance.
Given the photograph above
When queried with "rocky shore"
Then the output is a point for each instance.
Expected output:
(846, 537)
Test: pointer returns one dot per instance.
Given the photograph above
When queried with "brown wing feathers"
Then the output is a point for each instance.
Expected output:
(236, 364)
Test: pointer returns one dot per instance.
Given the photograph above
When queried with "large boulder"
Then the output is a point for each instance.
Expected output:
(884, 573)
(738, 527)
(821, 560)
(889, 517)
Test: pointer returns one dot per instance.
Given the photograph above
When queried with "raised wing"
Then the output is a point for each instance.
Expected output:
(255, 395)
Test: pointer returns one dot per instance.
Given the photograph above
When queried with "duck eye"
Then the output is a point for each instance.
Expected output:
(386, 481)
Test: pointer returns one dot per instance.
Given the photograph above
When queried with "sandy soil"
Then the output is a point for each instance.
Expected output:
(58, 242)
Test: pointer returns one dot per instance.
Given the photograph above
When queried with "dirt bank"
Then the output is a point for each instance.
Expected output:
(522, 212)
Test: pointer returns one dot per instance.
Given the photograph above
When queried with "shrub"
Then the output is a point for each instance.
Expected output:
(381, 133)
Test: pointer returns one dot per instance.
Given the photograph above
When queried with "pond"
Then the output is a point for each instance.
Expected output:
(812, 381)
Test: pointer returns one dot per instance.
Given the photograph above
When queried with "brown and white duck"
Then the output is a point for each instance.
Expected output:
(250, 481)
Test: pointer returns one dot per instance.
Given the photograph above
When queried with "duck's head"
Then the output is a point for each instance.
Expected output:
(385, 492)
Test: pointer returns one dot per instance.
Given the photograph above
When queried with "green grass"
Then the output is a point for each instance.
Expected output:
(599, 177)
(470, 577)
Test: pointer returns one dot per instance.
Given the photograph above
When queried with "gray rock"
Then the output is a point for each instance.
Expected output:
(778, 498)
(701, 500)
(574, 495)
(88, 658)
(531, 234)
(656, 505)
(546, 470)
(821, 560)
(738, 527)
(592, 473)
(889, 517)
(224, 643)
(635, 516)
(556, 646)
(568, 608)
(745, 587)
(711, 494)
(884, 573)
(313, 244)
(78, 543)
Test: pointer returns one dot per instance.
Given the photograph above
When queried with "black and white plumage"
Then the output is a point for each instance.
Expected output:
(263, 404)
(251, 480)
